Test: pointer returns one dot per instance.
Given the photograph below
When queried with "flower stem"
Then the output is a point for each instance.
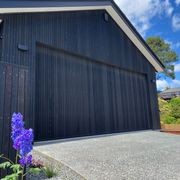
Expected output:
(22, 177)
(16, 157)
(26, 173)
(7, 159)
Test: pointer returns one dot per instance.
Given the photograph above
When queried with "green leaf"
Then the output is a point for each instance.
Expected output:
(5, 165)
(35, 170)
(13, 176)
(15, 167)
(49, 171)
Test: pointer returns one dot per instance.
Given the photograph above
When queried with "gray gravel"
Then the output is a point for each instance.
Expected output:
(40, 176)
(146, 155)
(62, 171)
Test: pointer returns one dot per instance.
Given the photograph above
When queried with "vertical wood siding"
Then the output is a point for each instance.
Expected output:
(13, 96)
(88, 35)
(77, 96)
(1, 35)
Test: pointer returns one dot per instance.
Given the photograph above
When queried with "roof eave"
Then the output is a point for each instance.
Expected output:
(109, 6)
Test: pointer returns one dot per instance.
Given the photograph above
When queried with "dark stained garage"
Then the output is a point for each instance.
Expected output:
(77, 96)
(74, 69)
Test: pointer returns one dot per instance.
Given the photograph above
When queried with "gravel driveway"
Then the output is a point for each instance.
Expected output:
(139, 155)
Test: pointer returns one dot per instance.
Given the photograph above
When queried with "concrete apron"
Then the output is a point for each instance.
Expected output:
(136, 155)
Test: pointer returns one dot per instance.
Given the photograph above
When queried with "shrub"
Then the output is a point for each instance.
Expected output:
(175, 107)
(169, 120)
(178, 121)
(170, 111)
(165, 109)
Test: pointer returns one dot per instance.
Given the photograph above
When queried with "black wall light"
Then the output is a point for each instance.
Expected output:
(106, 17)
(1, 29)
(153, 80)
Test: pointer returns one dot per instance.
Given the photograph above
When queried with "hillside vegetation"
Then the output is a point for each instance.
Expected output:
(170, 111)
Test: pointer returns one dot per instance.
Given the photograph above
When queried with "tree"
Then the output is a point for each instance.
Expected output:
(164, 52)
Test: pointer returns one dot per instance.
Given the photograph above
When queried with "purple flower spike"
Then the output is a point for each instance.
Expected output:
(17, 125)
(26, 160)
(26, 140)
(22, 139)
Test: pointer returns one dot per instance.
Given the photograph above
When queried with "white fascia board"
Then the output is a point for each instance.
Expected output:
(47, 9)
(134, 39)
(111, 11)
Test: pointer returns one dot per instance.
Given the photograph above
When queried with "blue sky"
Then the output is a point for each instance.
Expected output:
(157, 18)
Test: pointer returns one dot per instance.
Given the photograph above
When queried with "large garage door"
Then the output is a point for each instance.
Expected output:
(76, 96)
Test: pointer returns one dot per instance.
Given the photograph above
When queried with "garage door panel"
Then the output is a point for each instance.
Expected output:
(77, 96)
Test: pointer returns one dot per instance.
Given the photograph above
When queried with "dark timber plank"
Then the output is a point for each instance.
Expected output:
(92, 97)
(7, 110)
(97, 74)
(10, 84)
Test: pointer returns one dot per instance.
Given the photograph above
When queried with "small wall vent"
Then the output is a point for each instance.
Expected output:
(22, 47)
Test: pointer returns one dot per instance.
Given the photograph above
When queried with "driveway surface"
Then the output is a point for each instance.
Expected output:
(139, 155)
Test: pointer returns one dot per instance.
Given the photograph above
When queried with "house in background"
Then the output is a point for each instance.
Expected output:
(74, 68)
(169, 93)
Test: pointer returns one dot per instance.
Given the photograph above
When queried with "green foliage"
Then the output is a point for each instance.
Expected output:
(165, 109)
(13, 176)
(49, 172)
(170, 111)
(35, 170)
(175, 107)
(5, 165)
(15, 167)
(164, 52)
(169, 120)
(178, 121)
(18, 170)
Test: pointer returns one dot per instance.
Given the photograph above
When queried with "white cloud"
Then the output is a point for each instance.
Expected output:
(168, 42)
(177, 45)
(176, 22)
(140, 13)
(168, 8)
(177, 68)
(177, 2)
(173, 45)
(162, 84)
(175, 83)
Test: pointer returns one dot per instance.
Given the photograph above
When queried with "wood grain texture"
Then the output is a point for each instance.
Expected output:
(11, 100)
(77, 96)
(111, 70)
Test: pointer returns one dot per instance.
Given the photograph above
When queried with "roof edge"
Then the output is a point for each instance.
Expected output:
(137, 33)
(7, 7)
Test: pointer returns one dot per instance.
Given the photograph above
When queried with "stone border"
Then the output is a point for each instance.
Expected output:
(63, 171)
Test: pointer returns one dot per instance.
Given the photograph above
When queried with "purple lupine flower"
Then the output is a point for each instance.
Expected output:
(26, 160)
(17, 143)
(17, 125)
(22, 139)
(26, 140)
